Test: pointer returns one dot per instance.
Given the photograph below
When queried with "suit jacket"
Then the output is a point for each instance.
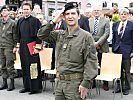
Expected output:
(63, 25)
(102, 33)
(124, 44)
(84, 23)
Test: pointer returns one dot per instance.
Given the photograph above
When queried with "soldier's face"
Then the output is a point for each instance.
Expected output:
(123, 16)
(5, 13)
(26, 10)
(71, 17)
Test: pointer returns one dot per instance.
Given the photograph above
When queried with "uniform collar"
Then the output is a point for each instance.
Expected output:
(74, 33)
(3, 21)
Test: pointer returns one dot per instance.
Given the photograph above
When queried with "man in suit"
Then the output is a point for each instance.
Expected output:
(84, 23)
(122, 43)
(100, 29)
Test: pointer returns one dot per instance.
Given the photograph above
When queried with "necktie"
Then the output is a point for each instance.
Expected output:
(57, 26)
(121, 30)
(95, 25)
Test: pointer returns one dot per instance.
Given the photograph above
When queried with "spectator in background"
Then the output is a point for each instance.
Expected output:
(36, 10)
(122, 43)
(83, 21)
(108, 16)
(88, 12)
(27, 28)
(8, 41)
(41, 19)
(100, 29)
(12, 15)
(115, 14)
(130, 17)
(19, 14)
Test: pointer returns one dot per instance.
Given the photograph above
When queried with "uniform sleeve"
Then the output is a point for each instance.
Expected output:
(105, 36)
(14, 31)
(47, 34)
(90, 63)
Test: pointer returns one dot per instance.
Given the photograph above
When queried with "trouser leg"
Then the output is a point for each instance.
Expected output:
(11, 85)
(4, 84)
(10, 57)
(126, 63)
(3, 63)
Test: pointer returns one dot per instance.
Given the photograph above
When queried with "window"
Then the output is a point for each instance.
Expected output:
(131, 4)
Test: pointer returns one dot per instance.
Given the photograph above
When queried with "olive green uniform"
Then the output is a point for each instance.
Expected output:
(76, 61)
(7, 43)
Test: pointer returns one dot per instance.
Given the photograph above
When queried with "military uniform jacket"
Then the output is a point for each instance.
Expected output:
(102, 33)
(75, 51)
(8, 38)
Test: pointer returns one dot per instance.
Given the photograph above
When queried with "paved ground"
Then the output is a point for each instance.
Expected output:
(48, 94)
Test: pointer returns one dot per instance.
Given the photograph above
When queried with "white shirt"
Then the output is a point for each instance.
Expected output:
(120, 25)
(110, 34)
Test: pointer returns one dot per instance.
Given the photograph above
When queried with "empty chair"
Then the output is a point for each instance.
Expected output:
(110, 69)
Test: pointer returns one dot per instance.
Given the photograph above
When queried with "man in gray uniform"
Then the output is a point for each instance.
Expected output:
(76, 61)
(7, 48)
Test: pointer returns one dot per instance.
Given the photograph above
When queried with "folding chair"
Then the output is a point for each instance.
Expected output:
(110, 69)
(131, 70)
(46, 59)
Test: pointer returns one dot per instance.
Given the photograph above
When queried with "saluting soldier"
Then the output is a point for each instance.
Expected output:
(8, 42)
(76, 61)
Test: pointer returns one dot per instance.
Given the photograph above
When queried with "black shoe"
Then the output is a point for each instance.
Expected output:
(105, 87)
(11, 86)
(4, 84)
(3, 87)
(34, 92)
(126, 92)
(24, 90)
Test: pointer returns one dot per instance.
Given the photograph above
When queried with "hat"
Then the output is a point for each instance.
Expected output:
(4, 7)
(70, 5)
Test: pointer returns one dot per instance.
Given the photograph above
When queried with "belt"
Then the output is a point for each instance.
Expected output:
(67, 77)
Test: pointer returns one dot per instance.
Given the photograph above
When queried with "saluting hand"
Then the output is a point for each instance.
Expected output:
(58, 16)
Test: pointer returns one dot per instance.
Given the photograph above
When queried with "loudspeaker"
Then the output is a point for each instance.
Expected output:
(37, 2)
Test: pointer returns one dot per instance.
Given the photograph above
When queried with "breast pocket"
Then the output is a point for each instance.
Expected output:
(75, 53)
(9, 34)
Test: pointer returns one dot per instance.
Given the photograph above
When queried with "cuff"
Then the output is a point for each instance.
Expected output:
(85, 83)
(18, 45)
(38, 46)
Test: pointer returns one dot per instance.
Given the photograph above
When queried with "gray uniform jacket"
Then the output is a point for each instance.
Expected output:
(8, 36)
(75, 51)
(102, 33)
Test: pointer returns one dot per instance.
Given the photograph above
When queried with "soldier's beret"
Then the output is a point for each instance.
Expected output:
(4, 7)
(70, 5)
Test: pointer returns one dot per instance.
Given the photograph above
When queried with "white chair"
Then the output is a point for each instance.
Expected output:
(46, 60)
(110, 69)
(131, 70)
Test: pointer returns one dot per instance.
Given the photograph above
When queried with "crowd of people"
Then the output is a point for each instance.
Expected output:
(78, 40)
